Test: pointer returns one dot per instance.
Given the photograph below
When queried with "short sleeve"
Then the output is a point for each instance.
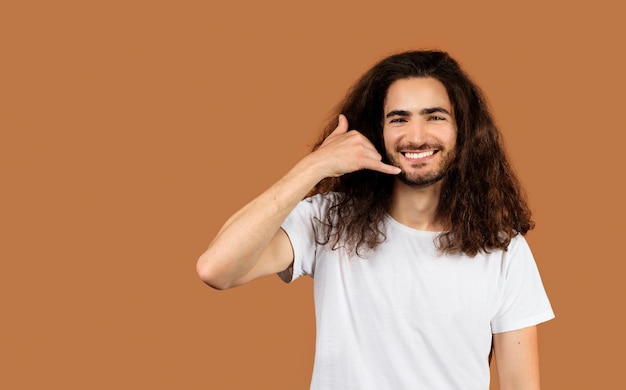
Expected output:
(300, 228)
(522, 300)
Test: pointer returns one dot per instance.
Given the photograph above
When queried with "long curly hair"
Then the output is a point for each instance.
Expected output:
(481, 199)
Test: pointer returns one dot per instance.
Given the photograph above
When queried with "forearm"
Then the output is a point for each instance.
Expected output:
(241, 251)
(241, 241)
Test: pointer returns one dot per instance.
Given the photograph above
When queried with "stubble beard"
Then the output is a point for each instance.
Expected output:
(422, 180)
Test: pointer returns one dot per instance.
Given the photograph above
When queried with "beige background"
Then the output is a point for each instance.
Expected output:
(132, 129)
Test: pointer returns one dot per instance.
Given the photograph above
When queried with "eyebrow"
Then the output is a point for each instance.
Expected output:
(424, 111)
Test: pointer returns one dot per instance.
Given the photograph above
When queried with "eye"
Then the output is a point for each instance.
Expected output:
(397, 120)
(436, 118)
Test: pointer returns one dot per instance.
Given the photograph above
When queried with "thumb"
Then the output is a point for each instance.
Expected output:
(342, 126)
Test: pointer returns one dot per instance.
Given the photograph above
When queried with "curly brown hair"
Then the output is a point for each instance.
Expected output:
(481, 199)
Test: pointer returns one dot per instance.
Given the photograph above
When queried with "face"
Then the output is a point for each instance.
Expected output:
(419, 130)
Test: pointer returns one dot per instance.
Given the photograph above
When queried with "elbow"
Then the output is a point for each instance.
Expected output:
(210, 275)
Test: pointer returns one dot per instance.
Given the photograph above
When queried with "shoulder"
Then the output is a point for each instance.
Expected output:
(518, 247)
(518, 257)
(312, 209)
(327, 198)
(319, 203)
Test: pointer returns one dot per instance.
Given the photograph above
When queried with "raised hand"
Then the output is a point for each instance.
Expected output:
(346, 151)
(230, 261)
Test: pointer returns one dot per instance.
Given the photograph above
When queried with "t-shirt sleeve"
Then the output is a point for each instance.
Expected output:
(300, 228)
(523, 299)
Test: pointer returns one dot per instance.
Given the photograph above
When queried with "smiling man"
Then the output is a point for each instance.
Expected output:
(418, 122)
(411, 225)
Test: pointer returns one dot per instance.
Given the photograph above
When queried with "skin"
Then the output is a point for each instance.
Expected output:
(419, 132)
(418, 117)
(230, 261)
(517, 359)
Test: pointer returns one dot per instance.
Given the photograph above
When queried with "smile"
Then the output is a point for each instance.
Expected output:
(419, 155)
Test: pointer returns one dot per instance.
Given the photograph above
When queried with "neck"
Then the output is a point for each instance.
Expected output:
(416, 207)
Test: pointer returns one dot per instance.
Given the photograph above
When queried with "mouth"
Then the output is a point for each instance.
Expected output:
(418, 155)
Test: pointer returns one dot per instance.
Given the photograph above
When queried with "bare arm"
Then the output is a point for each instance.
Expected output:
(251, 243)
(517, 359)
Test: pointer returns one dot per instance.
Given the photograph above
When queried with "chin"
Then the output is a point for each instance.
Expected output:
(420, 181)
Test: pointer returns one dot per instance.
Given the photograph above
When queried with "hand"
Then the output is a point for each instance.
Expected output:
(346, 151)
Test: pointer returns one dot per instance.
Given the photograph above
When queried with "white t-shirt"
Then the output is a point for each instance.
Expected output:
(406, 317)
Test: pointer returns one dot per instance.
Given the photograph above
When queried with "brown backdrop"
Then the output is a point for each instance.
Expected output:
(132, 129)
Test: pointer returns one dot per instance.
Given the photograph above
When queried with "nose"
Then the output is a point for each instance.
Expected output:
(416, 132)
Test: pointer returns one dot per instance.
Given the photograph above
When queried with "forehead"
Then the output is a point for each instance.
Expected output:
(416, 93)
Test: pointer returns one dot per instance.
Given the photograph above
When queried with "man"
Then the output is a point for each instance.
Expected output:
(413, 233)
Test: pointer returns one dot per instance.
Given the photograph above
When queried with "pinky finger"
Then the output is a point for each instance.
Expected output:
(386, 168)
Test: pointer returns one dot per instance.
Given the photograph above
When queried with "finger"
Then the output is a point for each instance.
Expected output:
(373, 160)
(385, 168)
(374, 163)
(342, 125)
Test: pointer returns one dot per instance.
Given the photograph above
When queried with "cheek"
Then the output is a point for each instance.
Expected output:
(386, 140)
(389, 137)
(452, 142)
(450, 139)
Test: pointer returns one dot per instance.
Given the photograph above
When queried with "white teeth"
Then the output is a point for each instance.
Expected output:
(419, 155)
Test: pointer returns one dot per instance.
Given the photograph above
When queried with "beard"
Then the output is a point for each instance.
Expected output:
(424, 179)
